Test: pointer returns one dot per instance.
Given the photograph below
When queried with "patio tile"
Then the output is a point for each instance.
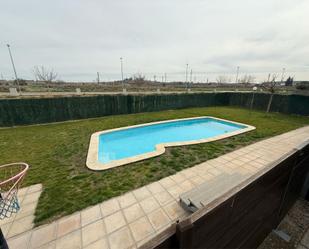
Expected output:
(20, 241)
(68, 224)
(228, 157)
(243, 171)
(21, 225)
(20, 197)
(141, 229)
(227, 170)
(51, 245)
(174, 210)
(158, 219)
(26, 210)
(155, 188)
(126, 200)
(188, 173)
(70, 241)
(34, 188)
(237, 162)
(92, 232)
(208, 176)
(163, 197)
(109, 207)
(261, 161)
(178, 178)
(149, 204)
(7, 220)
(90, 215)
(186, 185)
(245, 159)
(214, 171)
(232, 166)
(121, 239)
(5, 228)
(29, 198)
(167, 182)
(175, 191)
(239, 152)
(23, 191)
(99, 244)
(141, 193)
(220, 160)
(197, 180)
(214, 163)
(43, 235)
(114, 222)
(200, 170)
(256, 165)
(133, 212)
(250, 168)
(141, 243)
(251, 156)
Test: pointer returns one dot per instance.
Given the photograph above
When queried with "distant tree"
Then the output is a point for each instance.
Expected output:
(247, 79)
(21, 82)
(222, 79)
(139, 78)
(271, 86)
(289, 81)
(44, 74)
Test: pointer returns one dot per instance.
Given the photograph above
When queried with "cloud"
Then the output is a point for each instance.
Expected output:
(78, 38)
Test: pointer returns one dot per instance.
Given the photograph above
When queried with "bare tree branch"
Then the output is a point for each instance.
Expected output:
(247, 79)
(42, 73)
(271, 84)
(222, 79)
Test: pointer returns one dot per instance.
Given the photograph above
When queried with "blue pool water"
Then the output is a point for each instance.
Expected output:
(130, 142)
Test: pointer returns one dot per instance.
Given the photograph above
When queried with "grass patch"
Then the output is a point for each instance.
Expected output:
(57, 155)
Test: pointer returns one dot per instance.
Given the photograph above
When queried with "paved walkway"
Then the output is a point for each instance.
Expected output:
(22, 221)
(130, 220)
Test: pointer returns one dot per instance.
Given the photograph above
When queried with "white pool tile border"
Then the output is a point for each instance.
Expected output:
(93, 162)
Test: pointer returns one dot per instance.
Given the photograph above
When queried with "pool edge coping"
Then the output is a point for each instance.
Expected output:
(93, 162)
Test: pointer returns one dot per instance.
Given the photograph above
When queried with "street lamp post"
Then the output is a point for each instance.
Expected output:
(187, 74)
(121, 68)
(17, 81)
(237, 72)
(236, 80)
(282, 75)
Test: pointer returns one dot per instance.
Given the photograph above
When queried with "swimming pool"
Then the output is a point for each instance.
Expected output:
(120, 146)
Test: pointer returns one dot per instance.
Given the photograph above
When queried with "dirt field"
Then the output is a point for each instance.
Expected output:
(295, 224)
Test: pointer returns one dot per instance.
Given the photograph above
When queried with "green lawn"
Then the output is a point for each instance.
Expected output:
(57, 155)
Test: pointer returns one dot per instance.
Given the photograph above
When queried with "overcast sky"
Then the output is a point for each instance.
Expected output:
(78, 38)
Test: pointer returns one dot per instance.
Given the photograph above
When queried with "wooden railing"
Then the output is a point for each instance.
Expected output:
(244, 216)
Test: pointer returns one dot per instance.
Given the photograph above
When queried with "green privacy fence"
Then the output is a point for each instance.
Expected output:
(45, 110)
(290, 104)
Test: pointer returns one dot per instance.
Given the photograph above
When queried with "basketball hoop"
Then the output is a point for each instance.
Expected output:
(11, 176)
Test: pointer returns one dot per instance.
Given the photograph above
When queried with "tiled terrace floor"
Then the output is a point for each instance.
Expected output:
(130, 220)
(22, 221)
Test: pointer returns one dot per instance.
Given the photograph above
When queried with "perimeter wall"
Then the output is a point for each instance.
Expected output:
(44, 110)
